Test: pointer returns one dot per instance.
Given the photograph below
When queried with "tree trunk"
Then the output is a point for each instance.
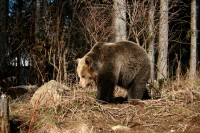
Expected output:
(193, 46)
(37, 20)
(5, 124)
(120, 19)
(17, 53)
(44, 8)
(57, 43)
(151, 27)
(163, 41)
(3, 37)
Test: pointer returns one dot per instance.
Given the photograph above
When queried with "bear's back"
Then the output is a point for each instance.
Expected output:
(130, 48)
(123, 51)
(118, 46)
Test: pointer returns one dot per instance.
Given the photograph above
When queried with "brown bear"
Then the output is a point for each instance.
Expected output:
(123, 63)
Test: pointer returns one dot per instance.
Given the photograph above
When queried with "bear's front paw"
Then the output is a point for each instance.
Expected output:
(115, 100)
(119, 100)
(102, 101)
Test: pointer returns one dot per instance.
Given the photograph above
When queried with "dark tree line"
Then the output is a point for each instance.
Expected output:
(41, 39)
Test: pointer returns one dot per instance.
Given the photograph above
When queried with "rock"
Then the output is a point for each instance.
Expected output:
(79, 128)
(120, 129)
(15, 92)
(49, 94)
(18, 91)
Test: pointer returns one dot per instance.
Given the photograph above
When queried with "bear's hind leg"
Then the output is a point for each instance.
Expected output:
(137, 88)
(136, 91)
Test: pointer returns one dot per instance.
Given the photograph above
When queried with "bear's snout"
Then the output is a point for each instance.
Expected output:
(84, 84)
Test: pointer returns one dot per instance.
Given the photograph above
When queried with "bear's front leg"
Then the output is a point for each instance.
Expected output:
(105, 87)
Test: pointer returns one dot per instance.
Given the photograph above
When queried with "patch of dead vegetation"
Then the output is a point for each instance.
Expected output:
(177, 111)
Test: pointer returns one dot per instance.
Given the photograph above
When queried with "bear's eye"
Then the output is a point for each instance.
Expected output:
(83, 76)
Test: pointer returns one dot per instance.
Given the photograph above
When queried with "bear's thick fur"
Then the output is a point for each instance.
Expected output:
(124, 63)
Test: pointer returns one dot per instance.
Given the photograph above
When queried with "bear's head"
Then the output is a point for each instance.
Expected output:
(85, 71)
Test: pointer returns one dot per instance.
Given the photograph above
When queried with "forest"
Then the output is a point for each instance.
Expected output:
(40, 41)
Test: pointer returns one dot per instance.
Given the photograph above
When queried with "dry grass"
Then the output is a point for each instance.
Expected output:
(177, 111)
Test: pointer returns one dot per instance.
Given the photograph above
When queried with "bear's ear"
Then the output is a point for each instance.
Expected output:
(88, 61)
(77, 60)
